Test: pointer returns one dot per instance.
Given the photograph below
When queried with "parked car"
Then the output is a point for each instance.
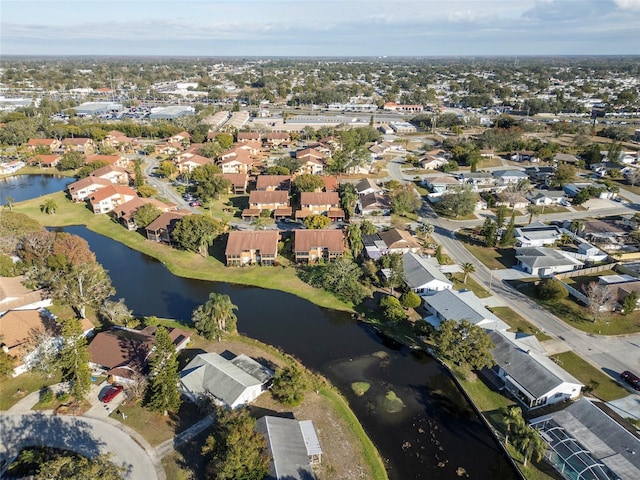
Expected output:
(196, 203)
(631, 379)
(109, 393)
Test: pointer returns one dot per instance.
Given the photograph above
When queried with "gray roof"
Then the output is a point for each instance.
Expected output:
(287, 443)
(419, 271)
(530, 370)
(540, 257)
(367, 183)
(510, 173)
(224, 379)
(458, 306)
(538, 231)
(599, 433)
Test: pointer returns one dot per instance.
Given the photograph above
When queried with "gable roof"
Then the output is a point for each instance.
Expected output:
(76, 141)
(305, 240)
(110, 191)
(540, 257)
(16, 327)
(167, 220)
(34, 142)
(224, 379)
(118, 348)
(266, 241)
(108, 169)
(366, 184)
(87, 182)
(534, 372)
(13, 293)
(510, 173)
(376, 200)
(289, 448)
(128, 209)
(464, 305)
(419, 271)
(266, 197)
(395, 238)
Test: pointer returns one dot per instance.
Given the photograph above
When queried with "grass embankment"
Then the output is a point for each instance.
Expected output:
(604, 387)
(489, 402)
(580, 317)
(180, 263)
(518, 323)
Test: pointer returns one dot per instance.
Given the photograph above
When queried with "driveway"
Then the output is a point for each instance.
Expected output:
(86, 436)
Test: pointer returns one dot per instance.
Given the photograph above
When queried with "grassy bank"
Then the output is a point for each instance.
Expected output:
(180, 263)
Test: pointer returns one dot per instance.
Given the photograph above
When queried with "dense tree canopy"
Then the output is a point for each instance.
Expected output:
(464, 344)
(196, 233)
(215, 316)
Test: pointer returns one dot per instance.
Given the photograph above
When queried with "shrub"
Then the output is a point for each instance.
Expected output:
(410, 300)
(551, 289)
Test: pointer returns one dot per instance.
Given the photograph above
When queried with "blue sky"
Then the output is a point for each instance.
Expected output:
(320, 27)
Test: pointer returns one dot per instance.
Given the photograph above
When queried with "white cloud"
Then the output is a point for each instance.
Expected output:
(628, 4)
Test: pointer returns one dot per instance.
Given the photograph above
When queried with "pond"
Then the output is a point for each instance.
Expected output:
(413, 412)
(26, 187)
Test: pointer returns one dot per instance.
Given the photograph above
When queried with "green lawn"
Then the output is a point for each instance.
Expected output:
(604, 387)
(578, 282)
(14, 389)
(518, 323)
(493, 258)
(181, 263)
(471, 284)
(579, 317)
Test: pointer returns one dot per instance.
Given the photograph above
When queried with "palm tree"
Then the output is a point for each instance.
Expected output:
(215, 316)
(49, 207)
(576, 226)
(467, 268)
(426, 229)
(531, 444)
(513, 421)
(8, 202)
(533, 211)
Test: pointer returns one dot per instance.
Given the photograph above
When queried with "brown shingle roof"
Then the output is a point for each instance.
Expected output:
(319, 198)
(119, 348)
(167, 220)
(16, 327)
(264, 240)
(305, 240)
(261, 197)
(110, 191)
(395, 238)
(248, 136)
(76, 141)
(86, 182)
(281, 182)
(34, 142)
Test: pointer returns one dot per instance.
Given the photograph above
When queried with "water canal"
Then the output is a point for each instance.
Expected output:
(434, 435)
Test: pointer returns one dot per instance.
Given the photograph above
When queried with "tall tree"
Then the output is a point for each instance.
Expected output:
(348, 198)
(405, 201)
(235, 450)
(146, 214)
(467, 268)
(459, 202)
(215, 316)
(464, 344)
(533, 211)
(308, 182)
(196, 233)
(531, 444)
(354, 239)
(116, 313)
(630, 303)
(49, 206)
(74, 359)
(513, 421)
(600, 297)
(83, 285)
(163, 393)
(289, 385)
(509, 235)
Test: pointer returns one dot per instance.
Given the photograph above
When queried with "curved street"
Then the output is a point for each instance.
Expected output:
(84, 435)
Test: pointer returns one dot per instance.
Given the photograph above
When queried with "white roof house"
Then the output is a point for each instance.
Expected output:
(586, 440)
(423, 275)
(293, 446)
(458, 306)
(534, 379)
(545, 261)
(537, 234)
(230, 382)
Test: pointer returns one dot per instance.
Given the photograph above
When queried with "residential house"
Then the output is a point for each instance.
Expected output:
(312, 160)
(377, 150)
(312, 245)
(112, 173)
(432, 162)
(108, 198)
(506, 177)
(47, 161)
(449, 304)
(165, 148)
(537, 234)
(239, 182)
(80, 145)
(179, 139)
(513, 201)
(269, 183)
(18, 329)
(480, 181)
(230, 383)
(15, 296)
(320, 203)
(125, 213)
(249, 247)
(389, 242)
(236, 160)
(160, 229)
(245, 137)
(292, 446)
(540, 174)
(565, 158)
(367, 186)
(116, 160)
(52, 144)
(277, 139)
(602, 232)
(422, 275)
(545, 261)
(84, 188)
(192, 162)
(440, 185)
(547, 197)
(331, 184)
(374, 204)
(276, 201)
(121, 353)
(524, 156)
(118, 140)
(531, 377)
(588, 440)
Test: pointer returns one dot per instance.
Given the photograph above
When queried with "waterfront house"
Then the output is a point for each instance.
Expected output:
(230, 383)
(82, 189)
(112, 173)
(249, 247)
(422, 275)
(46, 161)
(125, 213)
(309, 246)
(110, 197)
(14, 295)
(457, 305)
(160, 229)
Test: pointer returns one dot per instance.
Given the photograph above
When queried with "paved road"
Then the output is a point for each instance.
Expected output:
(87, 436)
(164, 189)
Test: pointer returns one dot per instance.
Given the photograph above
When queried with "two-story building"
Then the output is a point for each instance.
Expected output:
(86, 146)
(84, 188)
(310, 246)
(108, 198)
(320, 203)
(249, 247)
(276, 201)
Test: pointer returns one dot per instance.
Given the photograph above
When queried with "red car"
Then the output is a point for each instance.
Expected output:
(196, 203)
(110, 393)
